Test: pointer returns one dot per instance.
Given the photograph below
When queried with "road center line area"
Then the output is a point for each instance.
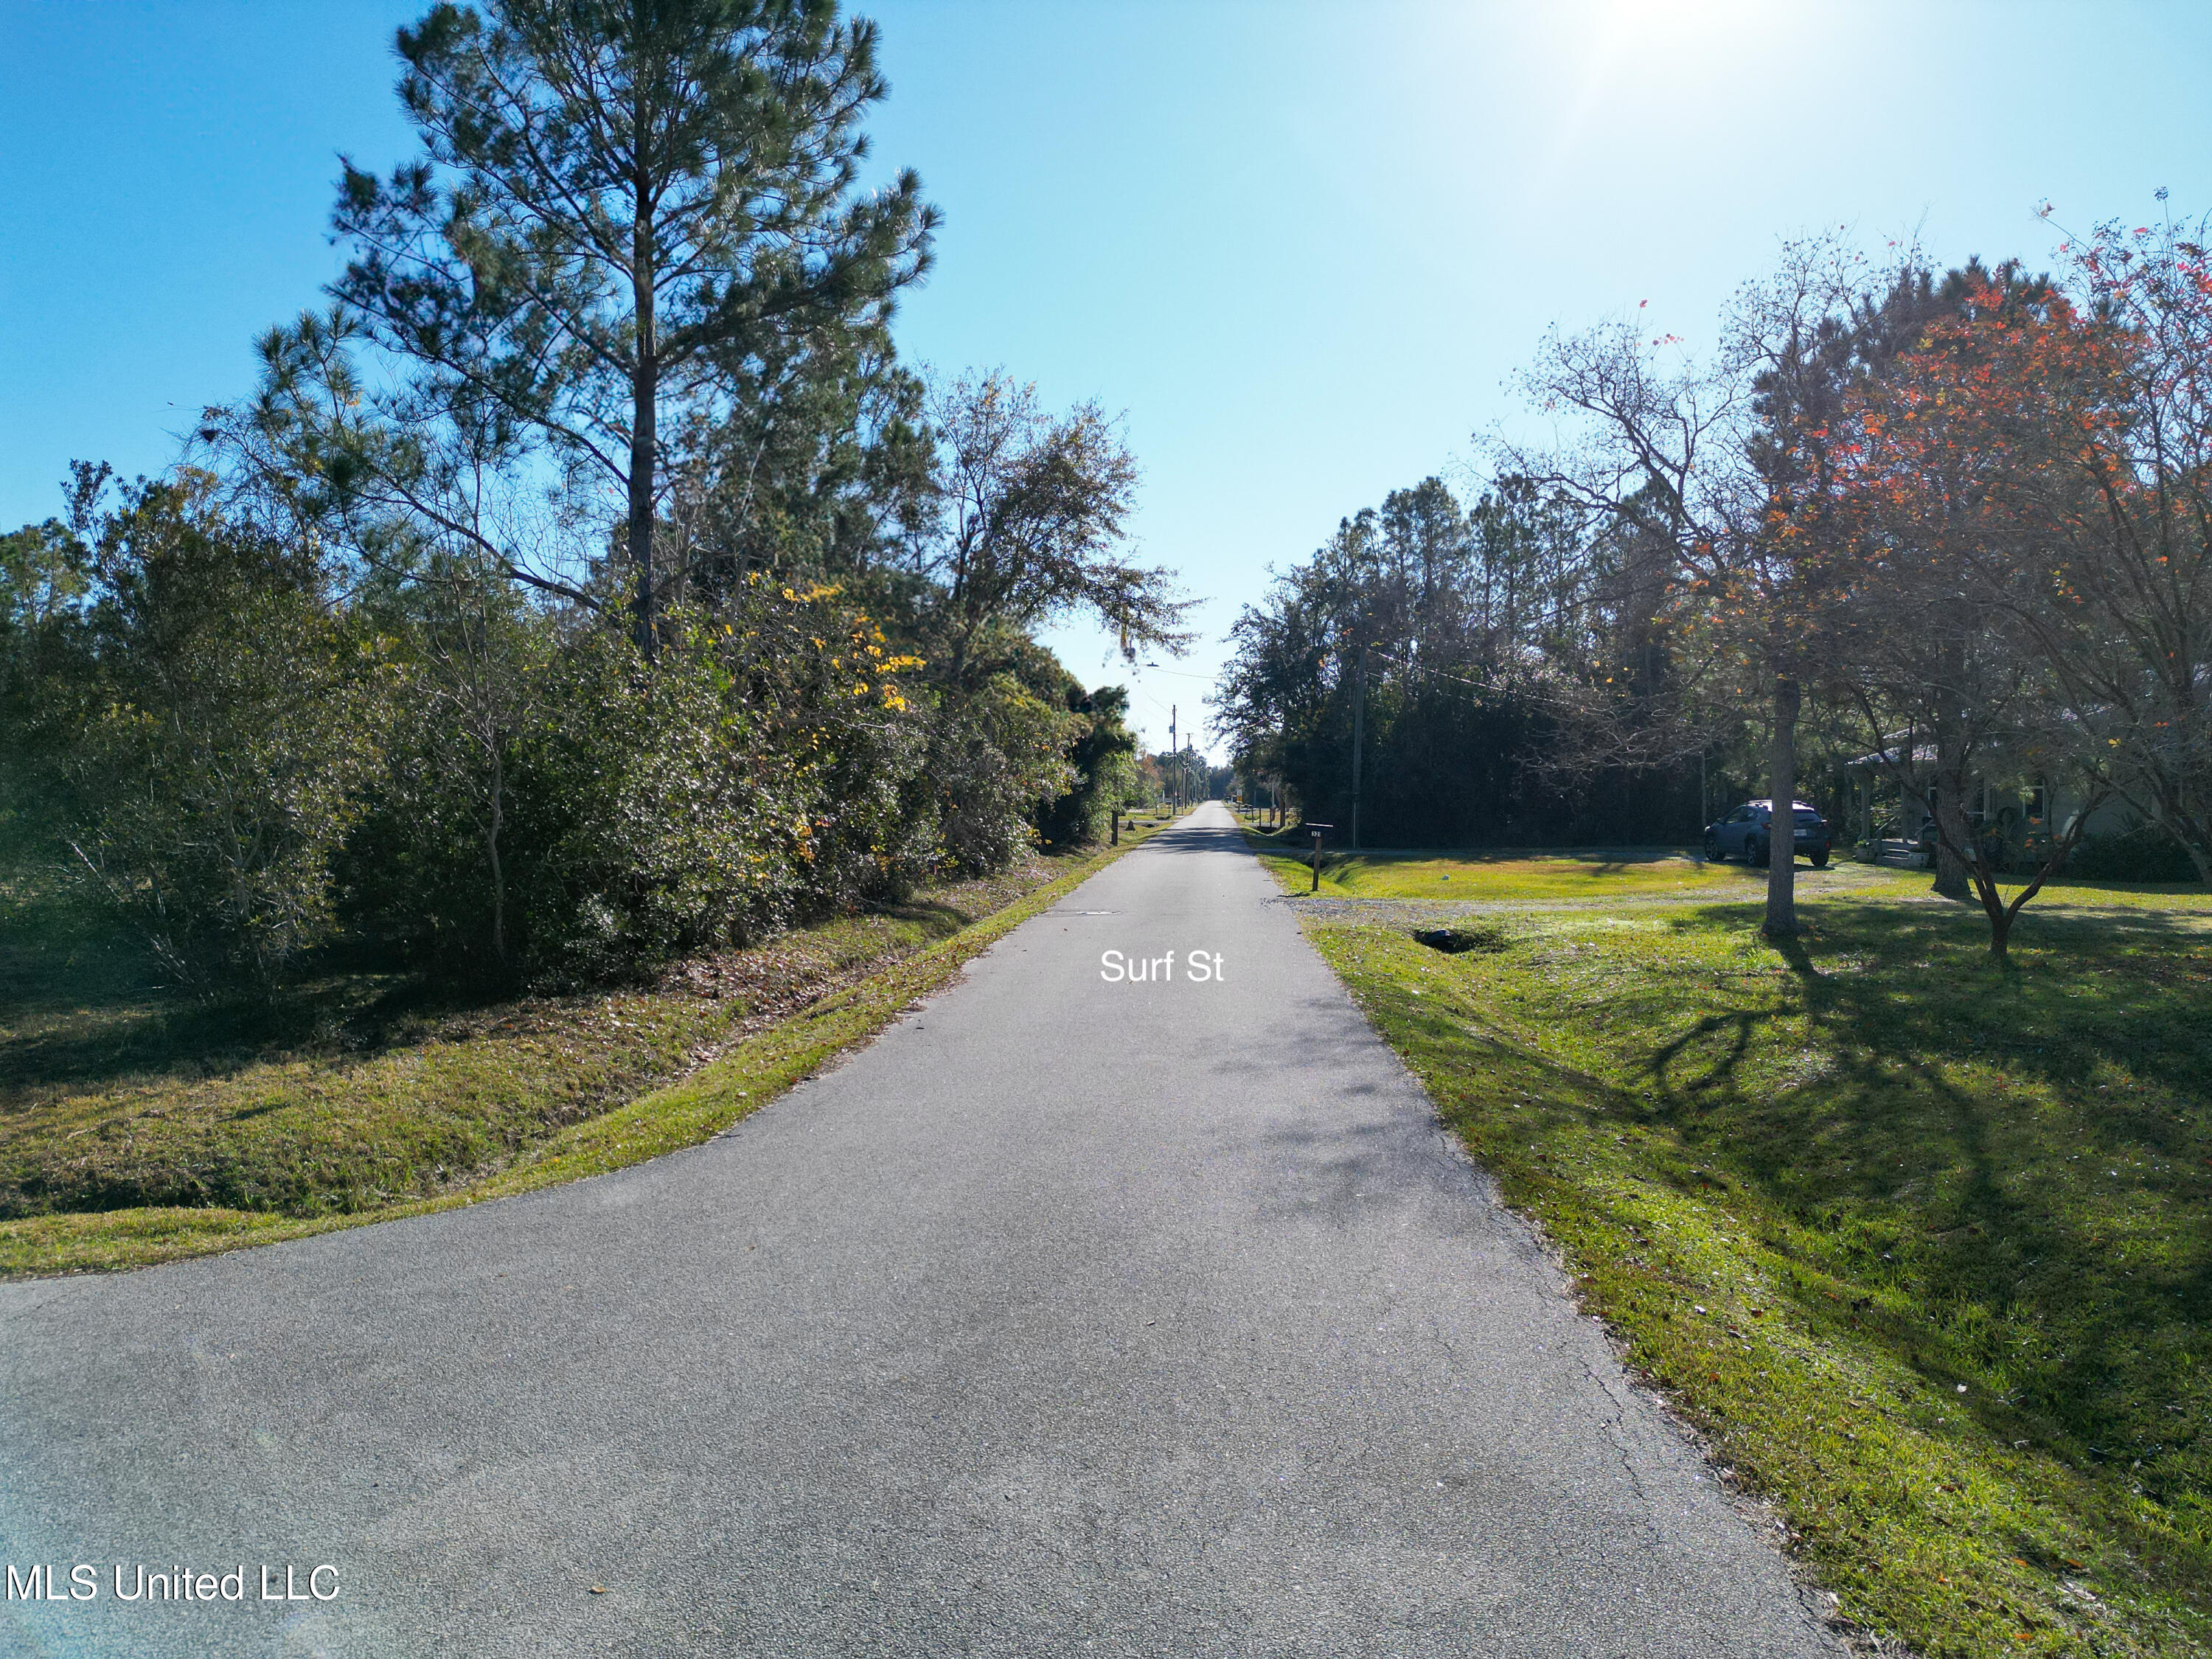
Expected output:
(1147, 1314)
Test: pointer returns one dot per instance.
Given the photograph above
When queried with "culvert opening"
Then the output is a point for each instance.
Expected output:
(1454, 941)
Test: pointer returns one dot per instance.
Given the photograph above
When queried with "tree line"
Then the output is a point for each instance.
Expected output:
(1954, 525)
(588, 580)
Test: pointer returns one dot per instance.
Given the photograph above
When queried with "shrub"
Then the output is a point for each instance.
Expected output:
(996, 756)
(2144, 854)
(1104, 756)
(551, 805)
(205, 720)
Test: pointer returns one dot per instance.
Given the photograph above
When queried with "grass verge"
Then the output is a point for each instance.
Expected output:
(1516, 876)
(1922, 1247)
(530, 1095)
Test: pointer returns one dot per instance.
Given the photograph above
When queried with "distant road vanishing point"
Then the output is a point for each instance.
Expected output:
(1074, 1315)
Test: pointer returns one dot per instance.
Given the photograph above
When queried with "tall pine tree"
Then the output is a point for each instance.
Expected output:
(619, 205)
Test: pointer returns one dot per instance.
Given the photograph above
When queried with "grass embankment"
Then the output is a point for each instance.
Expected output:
(136, 1128)
(1923, 1247)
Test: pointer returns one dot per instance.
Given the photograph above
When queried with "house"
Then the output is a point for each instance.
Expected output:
(2014, 809)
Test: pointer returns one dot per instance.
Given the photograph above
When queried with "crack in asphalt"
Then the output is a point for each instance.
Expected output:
(1611, 1424)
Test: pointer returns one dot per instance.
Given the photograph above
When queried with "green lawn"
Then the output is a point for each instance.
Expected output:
(1519, 876)
(2168, 897)
(1923, 1246)
(137, 1127)
(1515, 875)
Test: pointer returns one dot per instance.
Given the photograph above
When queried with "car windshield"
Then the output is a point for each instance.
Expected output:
(1806, 814)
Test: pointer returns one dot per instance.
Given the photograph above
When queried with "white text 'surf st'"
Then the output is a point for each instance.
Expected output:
(1200, 968)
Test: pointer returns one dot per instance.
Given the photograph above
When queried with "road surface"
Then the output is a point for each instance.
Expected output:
(1071, 1316)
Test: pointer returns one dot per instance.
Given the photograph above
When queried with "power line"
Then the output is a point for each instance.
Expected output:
(1423, 668)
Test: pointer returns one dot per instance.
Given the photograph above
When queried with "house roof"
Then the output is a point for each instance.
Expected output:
(1920, 756)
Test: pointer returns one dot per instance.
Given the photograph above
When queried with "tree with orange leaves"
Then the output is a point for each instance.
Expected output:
(2056, 443)
(1935, 654)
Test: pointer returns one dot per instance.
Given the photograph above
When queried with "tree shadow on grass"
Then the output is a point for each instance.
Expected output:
(84, 1005)
(156, 1033)
(2011, 1163)
(84, 1008)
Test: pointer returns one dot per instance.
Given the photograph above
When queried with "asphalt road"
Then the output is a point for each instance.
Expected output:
(1069, 1317)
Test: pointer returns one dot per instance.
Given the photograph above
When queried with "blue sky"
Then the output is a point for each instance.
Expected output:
(1300, 247)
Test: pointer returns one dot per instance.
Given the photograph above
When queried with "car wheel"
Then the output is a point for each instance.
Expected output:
(1713, 854)
(1820, 858)
(1755, 853)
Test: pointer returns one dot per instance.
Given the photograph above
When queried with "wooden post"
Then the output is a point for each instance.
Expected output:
(1117, 828)
(1317, 828)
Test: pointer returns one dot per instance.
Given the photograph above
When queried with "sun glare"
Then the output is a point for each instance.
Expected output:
(1673, 57)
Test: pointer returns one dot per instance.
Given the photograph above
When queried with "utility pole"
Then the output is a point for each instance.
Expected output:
(1359, 742)
(1175, 748)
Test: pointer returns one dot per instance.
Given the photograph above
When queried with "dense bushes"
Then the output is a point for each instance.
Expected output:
(2145, 853)
(190, 745)
(547, 803)
(1103, 761)
(208, 735)
(995, 756)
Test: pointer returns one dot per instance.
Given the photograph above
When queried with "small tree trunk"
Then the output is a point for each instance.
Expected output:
(2002, 915)
(1993, 906)
(492, 828)
(1951, 873)
(1782, 822)
(645, 396)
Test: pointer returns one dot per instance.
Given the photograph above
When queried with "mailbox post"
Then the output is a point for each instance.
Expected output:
(1317, 828)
